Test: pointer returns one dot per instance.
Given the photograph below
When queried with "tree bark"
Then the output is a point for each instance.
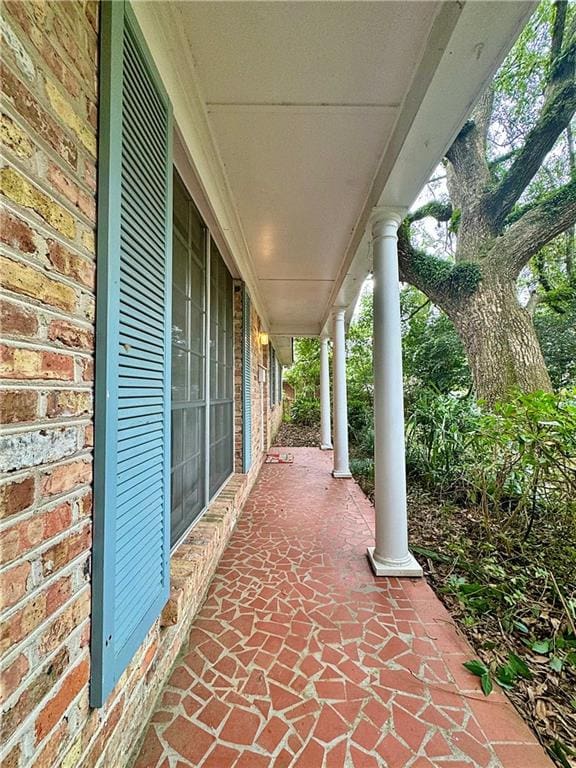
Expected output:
(500, 341)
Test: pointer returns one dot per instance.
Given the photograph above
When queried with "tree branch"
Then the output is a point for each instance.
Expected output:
(557, 111)
(540, 224)
(435, 209)
(443, 282)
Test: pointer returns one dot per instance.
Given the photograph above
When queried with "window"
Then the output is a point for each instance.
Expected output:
(188, 363)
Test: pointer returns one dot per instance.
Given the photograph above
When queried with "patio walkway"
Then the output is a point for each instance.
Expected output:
(300, 657)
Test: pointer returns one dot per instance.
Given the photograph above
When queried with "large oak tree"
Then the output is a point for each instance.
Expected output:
(501, 216)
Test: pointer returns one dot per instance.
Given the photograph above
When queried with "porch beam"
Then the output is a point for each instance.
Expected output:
(341, 465)
(390, 555)
(325, 425)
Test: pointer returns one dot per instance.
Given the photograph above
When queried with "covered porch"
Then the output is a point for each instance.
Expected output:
(301, 657)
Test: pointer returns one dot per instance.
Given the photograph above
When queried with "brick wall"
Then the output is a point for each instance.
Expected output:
(47, 223)
(49, 73)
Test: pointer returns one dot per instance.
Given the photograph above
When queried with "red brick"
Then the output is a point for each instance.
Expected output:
(16, 320)
(66, 622)
(18, 406)
(16, 496)
(62, 553)
(12, 676)
(33, 694)
(18, 363)
(13, 584)
(71, 335)
(66, 477)
(67, 263)
(46, 758)
(71, 686)
(17, 233)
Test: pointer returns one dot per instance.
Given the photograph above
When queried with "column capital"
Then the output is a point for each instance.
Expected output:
(385, 220)
(338, 313)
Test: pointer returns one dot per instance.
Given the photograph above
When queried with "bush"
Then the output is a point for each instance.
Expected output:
(305, 411)
(523, 460)
(439, 431)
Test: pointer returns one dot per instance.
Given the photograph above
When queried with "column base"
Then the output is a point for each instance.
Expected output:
(409, 567)
(324, 447)
(338, 474)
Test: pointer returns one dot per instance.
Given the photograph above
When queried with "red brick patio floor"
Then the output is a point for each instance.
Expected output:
(300, 657)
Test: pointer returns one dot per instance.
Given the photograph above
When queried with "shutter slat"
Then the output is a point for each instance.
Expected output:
(132, 446)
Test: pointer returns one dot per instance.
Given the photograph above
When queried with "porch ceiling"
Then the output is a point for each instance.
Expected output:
(296, 116)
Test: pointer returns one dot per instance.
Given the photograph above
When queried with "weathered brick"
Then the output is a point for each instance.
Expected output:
(14, 138)
(17, 233)
(71, 686)
(24, 536)
(29, 449)
(35, 364)
(67, 263)
(12, 676)
(71, 335)
(64, 624)
(18, 406)
(37, 284)
(16, 496)
(66, 402)
(14, 91)
(39, 687)
(12, 759)
(13, 584)
(16, 320)
(87, 370)
(13, 49)
(18, 189)
(66, 478)
(47, 756)
(62, 553)
(89, 436)
(25, 620)
(70, 118)
(72, 192)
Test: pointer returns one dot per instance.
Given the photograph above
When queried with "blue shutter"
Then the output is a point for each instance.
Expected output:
(246, 383)
(130, 582)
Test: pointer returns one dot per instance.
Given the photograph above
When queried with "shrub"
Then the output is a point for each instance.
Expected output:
(305, 411)
(523, 461)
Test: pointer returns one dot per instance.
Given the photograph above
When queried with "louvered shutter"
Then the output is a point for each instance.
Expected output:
(132, 409)
(246, 383)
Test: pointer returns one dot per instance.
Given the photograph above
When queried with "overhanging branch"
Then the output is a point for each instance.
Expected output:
(557, 111)
(538, 226)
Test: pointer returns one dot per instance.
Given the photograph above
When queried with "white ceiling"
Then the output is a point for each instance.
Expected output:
(301, 100)
(297, 118)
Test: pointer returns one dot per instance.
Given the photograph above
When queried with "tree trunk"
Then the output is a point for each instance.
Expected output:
(500, 341)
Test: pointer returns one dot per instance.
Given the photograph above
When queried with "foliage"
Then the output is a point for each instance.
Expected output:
(305, 411)
(304, 376)
(433, 355)
(557, 334)
(523, 463)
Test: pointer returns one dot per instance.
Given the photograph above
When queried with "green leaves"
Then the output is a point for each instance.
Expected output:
(506, 675)
(479, 669)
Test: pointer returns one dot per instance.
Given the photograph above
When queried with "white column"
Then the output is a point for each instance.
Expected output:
(341, 468)
(325, 427)
(390, 556)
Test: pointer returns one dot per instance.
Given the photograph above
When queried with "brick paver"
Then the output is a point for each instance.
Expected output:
(300, 657)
